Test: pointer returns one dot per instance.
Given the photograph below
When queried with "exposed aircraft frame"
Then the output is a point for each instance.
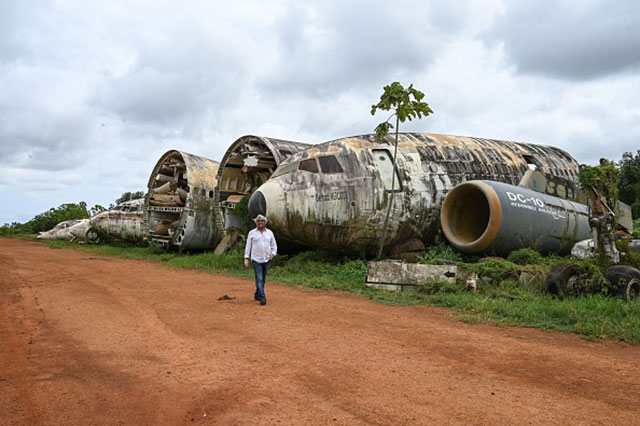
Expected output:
(179, 205)
(247, 163)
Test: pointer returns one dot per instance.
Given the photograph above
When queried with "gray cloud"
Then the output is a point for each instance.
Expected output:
(568, 40)
(38, 128)
(148, 94)
(345, 46)
(91, 94)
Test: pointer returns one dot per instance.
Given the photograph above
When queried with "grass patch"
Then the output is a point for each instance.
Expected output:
(499, 298)
(21, 236)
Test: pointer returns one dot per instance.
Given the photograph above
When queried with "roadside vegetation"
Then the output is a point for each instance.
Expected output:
(499, 298)
(69, 211)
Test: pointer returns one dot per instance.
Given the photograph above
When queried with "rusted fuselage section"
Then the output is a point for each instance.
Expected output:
(179, 206)
(334, 195)
(248, 163)
(123, 222)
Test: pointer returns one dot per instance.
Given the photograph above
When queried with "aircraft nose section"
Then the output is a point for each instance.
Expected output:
(269, 200)
(257, 204)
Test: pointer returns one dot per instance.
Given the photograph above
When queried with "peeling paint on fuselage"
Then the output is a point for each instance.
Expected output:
(123, 222)
(68, 230)
(345, 211)
(237, 177)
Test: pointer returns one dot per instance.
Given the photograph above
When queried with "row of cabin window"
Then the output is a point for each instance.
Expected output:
(129, 208)
(328, 164)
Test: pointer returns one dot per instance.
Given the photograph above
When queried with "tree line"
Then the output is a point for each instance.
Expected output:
(68, 211)
(629, 186)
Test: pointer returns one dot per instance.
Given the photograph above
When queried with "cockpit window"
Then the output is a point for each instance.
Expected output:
(284, 169)
(329, 164)
(309, 165)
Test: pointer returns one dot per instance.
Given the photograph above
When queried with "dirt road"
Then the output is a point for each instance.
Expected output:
(86, 339)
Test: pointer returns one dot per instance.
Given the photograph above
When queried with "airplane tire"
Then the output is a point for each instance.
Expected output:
(93, 236)
(557, 281)
(625, 281)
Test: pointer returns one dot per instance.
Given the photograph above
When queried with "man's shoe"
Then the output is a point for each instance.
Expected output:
(263, 301)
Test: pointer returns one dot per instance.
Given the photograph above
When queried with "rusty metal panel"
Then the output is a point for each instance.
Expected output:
(624, 217)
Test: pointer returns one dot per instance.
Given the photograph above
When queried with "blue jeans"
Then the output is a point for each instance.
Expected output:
(260, 270)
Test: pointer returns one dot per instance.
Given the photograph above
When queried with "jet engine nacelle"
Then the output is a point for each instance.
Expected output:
(497, 218)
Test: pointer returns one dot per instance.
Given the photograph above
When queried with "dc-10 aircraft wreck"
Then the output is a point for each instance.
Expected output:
(334, 195)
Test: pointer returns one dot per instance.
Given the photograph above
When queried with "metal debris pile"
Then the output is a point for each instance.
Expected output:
(170, 189)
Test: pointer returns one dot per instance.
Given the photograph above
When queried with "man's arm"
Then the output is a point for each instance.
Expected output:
(274, 247)
(247, 250)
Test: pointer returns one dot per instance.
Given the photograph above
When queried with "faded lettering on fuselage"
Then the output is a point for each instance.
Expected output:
(535, 204)
(332, 196)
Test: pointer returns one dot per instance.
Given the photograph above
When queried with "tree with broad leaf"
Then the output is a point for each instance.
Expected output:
(601, 185)
(399, 100)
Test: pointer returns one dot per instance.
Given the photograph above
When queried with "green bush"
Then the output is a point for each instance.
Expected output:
(242, 210)
(439, 253)
(494, 271)
(628, 256)
(525, 256)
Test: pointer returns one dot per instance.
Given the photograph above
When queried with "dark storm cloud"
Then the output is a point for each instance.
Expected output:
(571, 40)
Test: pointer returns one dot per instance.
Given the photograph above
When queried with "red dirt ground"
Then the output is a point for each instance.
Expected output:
(86, 339)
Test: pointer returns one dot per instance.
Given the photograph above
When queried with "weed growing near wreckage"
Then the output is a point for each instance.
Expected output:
(499, 298)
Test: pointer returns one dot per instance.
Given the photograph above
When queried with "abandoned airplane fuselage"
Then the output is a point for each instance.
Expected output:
(334, 195)
(248, 163)
(123, 222)
(179, 206)
(72, 230)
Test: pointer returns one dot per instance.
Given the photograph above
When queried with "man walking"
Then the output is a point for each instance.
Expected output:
(260, 249)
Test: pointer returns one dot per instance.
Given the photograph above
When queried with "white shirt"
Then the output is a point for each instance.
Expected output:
(260, 245)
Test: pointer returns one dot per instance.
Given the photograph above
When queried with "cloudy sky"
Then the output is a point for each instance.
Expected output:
(92, 93)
